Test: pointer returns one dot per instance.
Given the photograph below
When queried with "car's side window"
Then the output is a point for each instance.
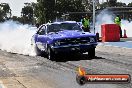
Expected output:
(53, 28)
(42, 30)
(50, 28)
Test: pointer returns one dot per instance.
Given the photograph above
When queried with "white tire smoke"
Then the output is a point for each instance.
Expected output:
(16, 38)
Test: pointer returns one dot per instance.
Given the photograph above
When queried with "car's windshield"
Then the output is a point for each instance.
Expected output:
(63, 26)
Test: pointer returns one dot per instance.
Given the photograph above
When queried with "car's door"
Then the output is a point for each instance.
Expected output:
(41, 38)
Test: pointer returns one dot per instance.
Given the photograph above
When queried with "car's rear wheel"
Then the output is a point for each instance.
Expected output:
(91, 53)
(51, 54)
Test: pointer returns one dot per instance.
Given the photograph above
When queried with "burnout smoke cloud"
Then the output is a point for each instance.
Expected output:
(104, 17)
(16, 38)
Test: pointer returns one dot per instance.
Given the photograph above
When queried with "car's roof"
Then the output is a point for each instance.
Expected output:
(59, 22)
(62, 22)
(65, 22)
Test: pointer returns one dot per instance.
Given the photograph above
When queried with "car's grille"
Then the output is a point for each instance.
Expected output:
(73, 41)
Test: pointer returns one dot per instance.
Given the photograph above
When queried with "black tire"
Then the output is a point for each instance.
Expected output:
(50, 53)
(36, 50)
(81, 80)
(91, 53)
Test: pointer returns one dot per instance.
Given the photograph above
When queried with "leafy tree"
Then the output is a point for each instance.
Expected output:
(1, 13)
(27, 13)
(88, 5)
(19, 19)
(14, 18)
(130, 4)
(120, 4)
(112, 2)
(66, 6)
(50, 9)
(40, 11)
(5, 11)
(103, 5)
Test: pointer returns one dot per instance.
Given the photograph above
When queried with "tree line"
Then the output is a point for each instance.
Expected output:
(50, 10)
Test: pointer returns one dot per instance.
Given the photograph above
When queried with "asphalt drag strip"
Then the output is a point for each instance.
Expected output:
(19, 71)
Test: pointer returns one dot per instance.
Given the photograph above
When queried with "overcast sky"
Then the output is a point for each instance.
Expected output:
(16, 5)
(124, 1)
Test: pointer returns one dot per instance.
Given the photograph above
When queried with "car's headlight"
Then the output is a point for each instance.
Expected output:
(92, 39)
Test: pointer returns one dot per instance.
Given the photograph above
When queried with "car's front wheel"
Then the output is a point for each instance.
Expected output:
(91, 53)
(50, 53)
(37, 51)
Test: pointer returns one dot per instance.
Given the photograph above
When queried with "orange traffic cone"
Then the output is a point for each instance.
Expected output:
(125, 36)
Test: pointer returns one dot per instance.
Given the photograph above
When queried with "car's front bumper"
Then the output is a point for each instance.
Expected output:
(74, 48)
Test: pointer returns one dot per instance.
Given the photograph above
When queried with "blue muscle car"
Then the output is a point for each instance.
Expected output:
(63, 37)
